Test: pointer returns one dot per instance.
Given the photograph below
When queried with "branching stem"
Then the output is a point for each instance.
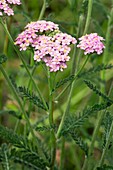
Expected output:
(69, 98)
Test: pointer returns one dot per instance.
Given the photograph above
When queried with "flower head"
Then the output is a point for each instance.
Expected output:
(91, 43)
(50, 45)
(5, 6)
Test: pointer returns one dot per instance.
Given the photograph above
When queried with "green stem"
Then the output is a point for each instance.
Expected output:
(30, 88)
(101, 114)
(106, 51)
(17, 98)
(75, 48)
(7, 166)
(62, 92)
(103, 77)
(16, 125)
(106, 146)
(21, 57)
(90, 3)
(69, 98)
(108, 138)
(51, 122)
(62, 154)
(42, 10)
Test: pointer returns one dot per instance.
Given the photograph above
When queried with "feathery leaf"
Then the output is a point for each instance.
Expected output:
(95, 69)
(105, 167)
(107, 124)
(3, 58)
(73, 122)
(24, 92)
(62, 82)
(79, 142)
(94, 89)
(28, 150)
(4, 157)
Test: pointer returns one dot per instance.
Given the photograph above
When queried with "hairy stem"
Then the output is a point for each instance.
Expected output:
(42, 10)
(90, 3)
(51, 122)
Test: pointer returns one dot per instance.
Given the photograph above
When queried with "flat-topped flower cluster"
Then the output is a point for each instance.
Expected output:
(5, 6)
(91, 43)
(50, 45)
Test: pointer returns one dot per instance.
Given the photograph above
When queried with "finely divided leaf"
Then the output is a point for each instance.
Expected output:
(24, 92)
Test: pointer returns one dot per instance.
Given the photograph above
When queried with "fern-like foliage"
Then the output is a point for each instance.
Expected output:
(27, 149)
(84, 6)
(73, 122)
(4, 157)
(45, 128)
(27, 159)
(24, 92)
(11, 112)
(11, 137)
(107, 124)
(13, 82)
(98, 92)
(3, 58)
(62, 82)
(79, 142)
(95, 69)
(15, 114)
(105, 167)
(40, 120)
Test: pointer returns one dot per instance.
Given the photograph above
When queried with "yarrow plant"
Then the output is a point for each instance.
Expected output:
(45, 125)
(91, 43)
(5, 6)
(49, 44)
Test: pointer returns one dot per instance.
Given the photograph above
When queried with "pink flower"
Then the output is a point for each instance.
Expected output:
(49, 44)
(5, 6)
(91, 43)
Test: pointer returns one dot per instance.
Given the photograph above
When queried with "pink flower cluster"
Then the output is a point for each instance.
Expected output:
(5, 6)
(91, 43)
(50, 45)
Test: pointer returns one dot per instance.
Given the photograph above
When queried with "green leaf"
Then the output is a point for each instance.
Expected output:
(27, 149)
(73, 122)
(45, 128)
(79, 142)
(3, 58)
(95, 69)
(24, 92)
(107, 124)
(4, 157)
(94, 89)
(105, 167)
(12, 112)
(84, 6)
(62, 82)
(15, 114)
